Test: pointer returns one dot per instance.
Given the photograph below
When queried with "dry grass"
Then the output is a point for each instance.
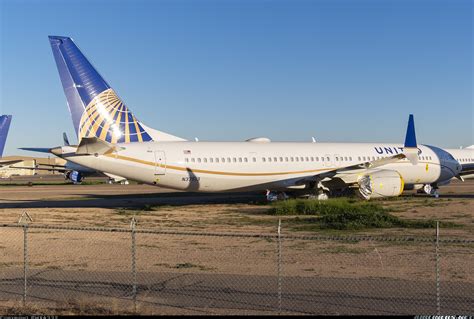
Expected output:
(68, 308)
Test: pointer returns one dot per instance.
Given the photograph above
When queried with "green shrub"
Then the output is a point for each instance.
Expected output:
(344, 214)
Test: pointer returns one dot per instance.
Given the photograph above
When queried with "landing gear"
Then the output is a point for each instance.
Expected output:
(323, 196)
(323, 192)
(274, 196)
(430, 190)
(121, 182)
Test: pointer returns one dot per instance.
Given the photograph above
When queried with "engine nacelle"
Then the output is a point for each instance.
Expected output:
(75, 177)
(383, 183)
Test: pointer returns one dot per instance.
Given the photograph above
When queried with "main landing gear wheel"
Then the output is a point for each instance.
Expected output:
(275, 196)
(430, 190)
(323, 196)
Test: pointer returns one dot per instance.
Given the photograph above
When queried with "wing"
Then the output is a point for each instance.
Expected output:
(352, 169)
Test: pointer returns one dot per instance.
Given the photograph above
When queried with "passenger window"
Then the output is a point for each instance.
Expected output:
(312, 159)
(317, 159)
(307, 159)
(322, 159)
(275, 159)
(286, 159)
(269, 159)
(234, 159)
(240, 159)
(192, 159)
(254, 159)
(263, 159)
(245, 159)
(205, 160)
(297, 159)
(328, 159)
(337, 158)
(199, 160)
(217, 159)
(211, 160)
(291, 159)
(186, 160)
(302, 158)
(228, 160)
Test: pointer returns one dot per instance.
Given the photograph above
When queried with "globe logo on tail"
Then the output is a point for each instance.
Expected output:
(107, 118)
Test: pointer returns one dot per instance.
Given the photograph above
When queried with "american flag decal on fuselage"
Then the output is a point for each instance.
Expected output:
(108, 118)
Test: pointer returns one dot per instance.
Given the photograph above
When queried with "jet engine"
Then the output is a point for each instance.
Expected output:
(74, 176)
(383, 183)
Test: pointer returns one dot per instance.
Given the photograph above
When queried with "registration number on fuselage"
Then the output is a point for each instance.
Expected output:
(190, 179)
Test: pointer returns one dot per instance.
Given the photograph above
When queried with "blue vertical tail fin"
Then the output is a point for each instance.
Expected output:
(410, 147)
(5, 121)
(95, 108)
(410, 137)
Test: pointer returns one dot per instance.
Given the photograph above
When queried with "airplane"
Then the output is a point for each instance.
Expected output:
(111, 139)
(72, 172)
(465, 157)
(5, 121)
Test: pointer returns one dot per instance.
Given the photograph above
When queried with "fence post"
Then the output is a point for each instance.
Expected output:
(438, 288)
(279, 266)
(134, 265)
(24, 220)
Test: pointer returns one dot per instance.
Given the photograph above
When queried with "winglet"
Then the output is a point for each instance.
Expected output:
(410, 138)
(410, 149)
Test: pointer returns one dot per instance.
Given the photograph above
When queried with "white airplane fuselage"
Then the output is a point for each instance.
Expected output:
(252, 166)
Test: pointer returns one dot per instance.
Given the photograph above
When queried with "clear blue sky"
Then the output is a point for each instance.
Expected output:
(339, 70)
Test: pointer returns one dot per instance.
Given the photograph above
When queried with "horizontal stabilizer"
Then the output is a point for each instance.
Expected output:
(36, 149)
(93, 145)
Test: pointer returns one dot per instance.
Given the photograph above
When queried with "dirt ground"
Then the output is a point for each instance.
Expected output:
(115, 205)
(174, 264)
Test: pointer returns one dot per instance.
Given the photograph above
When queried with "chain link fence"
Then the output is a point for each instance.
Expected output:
(168, 272)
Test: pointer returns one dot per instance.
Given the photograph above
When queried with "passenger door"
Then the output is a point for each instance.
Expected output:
(160, 163)
(158, 160)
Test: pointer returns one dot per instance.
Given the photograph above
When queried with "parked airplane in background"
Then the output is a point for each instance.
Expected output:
(112, 140)
(5, 121)
(465, 157)
(73, 172)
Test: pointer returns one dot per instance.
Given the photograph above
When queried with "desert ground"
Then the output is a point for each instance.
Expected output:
(187, 242)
